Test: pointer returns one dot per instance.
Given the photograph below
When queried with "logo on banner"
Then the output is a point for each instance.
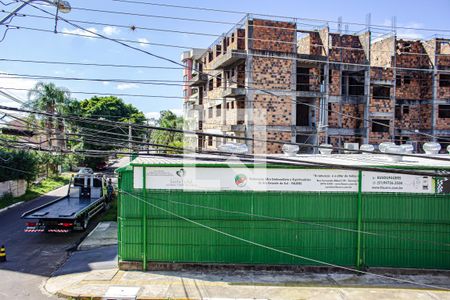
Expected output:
(180, 173)
(240, 180)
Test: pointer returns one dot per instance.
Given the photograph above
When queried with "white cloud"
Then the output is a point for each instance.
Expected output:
(81, 32)
(156, 114)
(16, 87)
(411, 33)
(177, 111)
(152, 114)
(143, 42)
(126, 86)
(110, 30)
(105, 82)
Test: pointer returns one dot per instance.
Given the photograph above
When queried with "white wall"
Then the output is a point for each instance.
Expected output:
(15, 187)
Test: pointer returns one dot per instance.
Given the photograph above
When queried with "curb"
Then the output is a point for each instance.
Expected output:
(11, 206)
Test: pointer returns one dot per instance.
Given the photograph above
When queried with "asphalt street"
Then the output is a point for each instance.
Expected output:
(33, 257)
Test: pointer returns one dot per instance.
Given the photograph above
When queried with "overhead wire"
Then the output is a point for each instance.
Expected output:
(299, 160)
(303, 103)
(190, 132)
(160, 57)
(278, 16)
(315, 224)
(131, 47)
(279, 250)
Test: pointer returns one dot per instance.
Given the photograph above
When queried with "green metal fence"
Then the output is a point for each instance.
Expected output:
(398, 230)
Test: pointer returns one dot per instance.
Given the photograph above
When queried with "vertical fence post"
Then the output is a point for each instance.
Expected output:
(144, 220)
(119, 216)
(359, 262)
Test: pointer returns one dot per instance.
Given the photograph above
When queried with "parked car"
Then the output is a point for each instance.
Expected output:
(85, 171)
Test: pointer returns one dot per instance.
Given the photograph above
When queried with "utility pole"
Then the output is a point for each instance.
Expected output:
(149, 133)
(130, 135)
(63, 6)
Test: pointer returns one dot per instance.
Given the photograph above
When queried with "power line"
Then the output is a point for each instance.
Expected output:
(272, 102)
(208, 34)
(87, 64)
(277, 16)
(278, 250)
(229, 137)
(95, 35)
(144, 51)
(369, 233)
(182, 82)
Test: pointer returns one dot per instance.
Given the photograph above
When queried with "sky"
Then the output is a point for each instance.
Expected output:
(25, 44)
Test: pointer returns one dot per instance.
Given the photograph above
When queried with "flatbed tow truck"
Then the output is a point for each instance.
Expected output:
(85, 198)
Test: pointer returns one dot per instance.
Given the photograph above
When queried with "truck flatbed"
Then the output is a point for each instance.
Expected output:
(62, 208)
(84, 200)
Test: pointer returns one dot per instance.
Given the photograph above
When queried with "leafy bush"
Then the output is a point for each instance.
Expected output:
(17, 164)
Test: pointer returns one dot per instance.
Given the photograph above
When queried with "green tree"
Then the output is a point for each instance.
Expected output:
(98, 136)
(49, 98)
(17, 164)
(168, 120)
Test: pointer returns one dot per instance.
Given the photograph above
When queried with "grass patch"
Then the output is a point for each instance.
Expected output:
(37, 190)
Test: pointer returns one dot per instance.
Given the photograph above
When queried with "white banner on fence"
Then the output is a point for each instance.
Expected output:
(262, 179)
(258, 179)
(396, 183)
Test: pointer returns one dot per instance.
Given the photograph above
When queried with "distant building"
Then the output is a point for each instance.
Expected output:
(272, 80)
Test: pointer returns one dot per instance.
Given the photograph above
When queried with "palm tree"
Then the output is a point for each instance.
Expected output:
(53, 100)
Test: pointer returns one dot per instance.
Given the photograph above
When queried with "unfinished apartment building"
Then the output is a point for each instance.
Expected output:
(271, 80)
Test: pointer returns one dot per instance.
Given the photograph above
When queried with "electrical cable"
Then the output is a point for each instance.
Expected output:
(93, 34)
(281, 251)
(252, 215)
(212, 134)
(172, 61)
(273, 158)
(124, 44)
(277, 16)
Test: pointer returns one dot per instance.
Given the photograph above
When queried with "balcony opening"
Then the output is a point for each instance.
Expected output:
(210, 140)
(381, 92)
(219, 110)
(210, 112)
(210, 56)
(444, 80)
(380, 125)
(219, 80)
(302, 79)
(302, 114)
(398, 80)
(405, 109)
(444, 111)
(407, 79)
(218, 50)
(353, 83)
(200, 95)
(210, 85)
(201, 142)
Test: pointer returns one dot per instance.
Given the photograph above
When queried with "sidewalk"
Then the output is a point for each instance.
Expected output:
(92, 274)
(238, 285)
